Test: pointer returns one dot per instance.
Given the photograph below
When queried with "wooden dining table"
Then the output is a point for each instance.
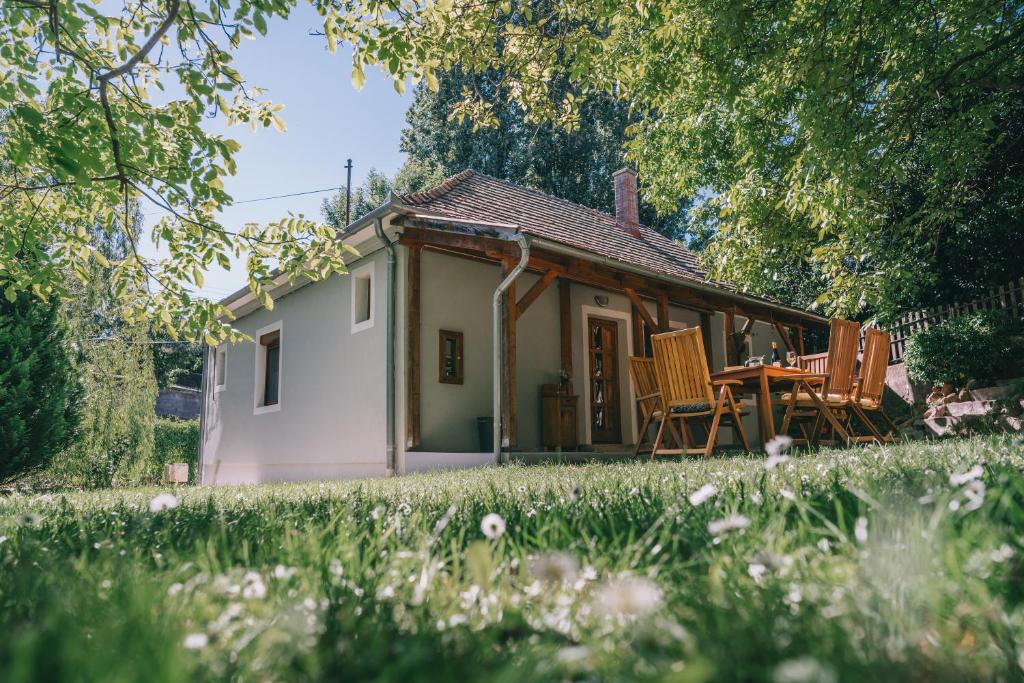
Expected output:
(757, 380)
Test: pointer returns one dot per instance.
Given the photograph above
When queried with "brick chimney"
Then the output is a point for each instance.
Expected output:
(627, 204)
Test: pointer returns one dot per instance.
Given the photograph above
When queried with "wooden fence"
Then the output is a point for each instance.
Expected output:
(1009, 298)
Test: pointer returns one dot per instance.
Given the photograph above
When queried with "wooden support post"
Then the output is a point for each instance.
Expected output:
(730, 338)
(508, 355)
(565, 326)
(784, 333)
(639, 348)
(705, 333)
(663, 324)
(412, 361)
(641, 309)
(799, 340)
(534, 292)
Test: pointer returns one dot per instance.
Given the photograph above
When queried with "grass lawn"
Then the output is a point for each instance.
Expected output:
(900, 563)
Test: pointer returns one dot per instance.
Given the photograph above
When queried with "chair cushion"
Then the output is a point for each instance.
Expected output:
(691, 408)
(804, 397)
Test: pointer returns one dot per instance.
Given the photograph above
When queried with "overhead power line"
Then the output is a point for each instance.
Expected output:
(262, 199)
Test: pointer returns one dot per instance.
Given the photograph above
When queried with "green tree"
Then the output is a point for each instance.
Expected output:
(39, 392)
(870, 139)
(575, 163)
(91, 127)
(176, 362)
(116, 368)
(412, 177)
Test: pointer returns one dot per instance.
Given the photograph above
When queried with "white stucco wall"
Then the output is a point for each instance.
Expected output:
(456, 294)
(331, 421)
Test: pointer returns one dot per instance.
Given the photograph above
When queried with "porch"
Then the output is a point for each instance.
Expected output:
(568, 325)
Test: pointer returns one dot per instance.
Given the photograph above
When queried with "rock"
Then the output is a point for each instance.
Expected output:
(176, 473)
(964, 395)
(946, 389)
(990, 393)
(951, 397)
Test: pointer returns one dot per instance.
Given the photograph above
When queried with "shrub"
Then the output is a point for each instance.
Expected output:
(39, 392)
(982, 346)
(175, 441)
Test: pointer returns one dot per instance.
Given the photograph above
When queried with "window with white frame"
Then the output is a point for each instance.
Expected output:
(220, 368)
(268, 369)
(362, 298)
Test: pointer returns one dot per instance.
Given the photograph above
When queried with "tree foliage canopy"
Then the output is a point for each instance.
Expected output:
(574, 163)
(39, 392)
(855, 138)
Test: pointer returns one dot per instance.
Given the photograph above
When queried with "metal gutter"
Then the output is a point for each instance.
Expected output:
(650, 274)
(389, 365)
(524, 258)
(204, 386)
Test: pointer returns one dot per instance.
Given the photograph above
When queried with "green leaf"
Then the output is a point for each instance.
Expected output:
(358, 77)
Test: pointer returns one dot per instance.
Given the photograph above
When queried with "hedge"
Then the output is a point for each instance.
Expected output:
(175, 441)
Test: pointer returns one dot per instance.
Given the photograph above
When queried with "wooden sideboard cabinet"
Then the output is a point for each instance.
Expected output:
(558, 411)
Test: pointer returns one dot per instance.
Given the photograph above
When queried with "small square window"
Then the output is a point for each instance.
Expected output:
(449, 357)
(362, 298)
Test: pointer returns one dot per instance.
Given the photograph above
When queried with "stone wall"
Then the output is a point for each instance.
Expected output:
(180, 402)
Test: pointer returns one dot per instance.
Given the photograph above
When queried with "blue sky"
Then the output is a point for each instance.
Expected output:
(328, 122)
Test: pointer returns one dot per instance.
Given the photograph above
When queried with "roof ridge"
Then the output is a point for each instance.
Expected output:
(547, 195)
(611, 217)
(444, 188)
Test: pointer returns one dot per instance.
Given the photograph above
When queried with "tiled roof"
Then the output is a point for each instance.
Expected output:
(472, 196)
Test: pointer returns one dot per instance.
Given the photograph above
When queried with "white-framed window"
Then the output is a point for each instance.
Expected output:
(363, 297)
(220, 369)
(268, 369)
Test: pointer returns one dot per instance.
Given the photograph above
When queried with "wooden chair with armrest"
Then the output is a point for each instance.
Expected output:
(687, 392)
(819, 397)
(648, 398)
(867, 396)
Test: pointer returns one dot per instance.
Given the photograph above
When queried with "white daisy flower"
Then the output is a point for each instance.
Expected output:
(975, 494)
(777, 445)
(860, 529)
(721, 526)
(163, 501)
(554, 567)
(254, 587)
(803, 670)
(196, 641)
(963, 477)
(492, 525)
(703, 494)
(628, 597)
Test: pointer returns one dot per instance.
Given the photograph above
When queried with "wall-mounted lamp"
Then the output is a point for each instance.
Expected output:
(601, 300)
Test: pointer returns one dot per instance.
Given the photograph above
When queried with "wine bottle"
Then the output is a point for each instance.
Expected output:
(776, 360)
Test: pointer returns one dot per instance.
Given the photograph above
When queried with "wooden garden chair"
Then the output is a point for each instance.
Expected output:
(687, 392)
(870, 386)
(825, 396)
(648, 398)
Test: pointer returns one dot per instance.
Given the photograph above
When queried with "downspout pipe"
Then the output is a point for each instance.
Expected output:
(391, 465)
(524, 258)
(204, 406)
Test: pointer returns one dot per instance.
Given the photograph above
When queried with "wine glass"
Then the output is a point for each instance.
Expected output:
(791, 358)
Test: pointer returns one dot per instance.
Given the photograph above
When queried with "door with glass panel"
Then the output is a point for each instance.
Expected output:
(603, 352)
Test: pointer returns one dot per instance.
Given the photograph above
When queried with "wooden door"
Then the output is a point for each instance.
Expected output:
(603, 350)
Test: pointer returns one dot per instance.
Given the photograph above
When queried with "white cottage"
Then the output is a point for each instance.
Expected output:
(393, 368)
